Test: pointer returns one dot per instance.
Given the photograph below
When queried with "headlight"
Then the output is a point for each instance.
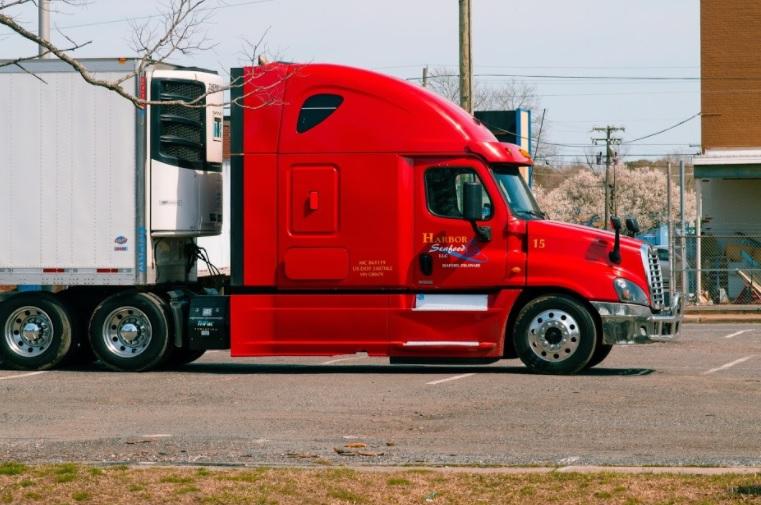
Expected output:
(629, 292)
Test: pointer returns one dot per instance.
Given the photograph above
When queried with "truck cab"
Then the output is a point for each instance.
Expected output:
(373, 215)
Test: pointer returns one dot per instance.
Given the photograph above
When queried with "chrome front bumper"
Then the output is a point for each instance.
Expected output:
(627, 323)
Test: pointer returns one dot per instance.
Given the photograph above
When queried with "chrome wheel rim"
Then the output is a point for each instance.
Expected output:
(29, 331)
(554, 335)
(127, 332)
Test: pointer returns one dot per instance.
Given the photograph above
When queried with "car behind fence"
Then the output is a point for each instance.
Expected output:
(717, 269)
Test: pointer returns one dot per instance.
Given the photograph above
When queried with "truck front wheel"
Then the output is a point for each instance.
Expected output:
(600, 354)
(37, 331)
(130, 332)
(555, 334)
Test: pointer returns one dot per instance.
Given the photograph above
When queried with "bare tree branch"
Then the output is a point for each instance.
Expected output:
(17, 61)
(251, 50)
(31, 73)
(6, 5)
(177, 31)
(511, 95)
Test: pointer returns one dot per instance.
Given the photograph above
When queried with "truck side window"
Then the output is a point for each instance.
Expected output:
(316, 109)
(443, 190)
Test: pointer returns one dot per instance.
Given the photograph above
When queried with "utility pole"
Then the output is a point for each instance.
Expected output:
(539, 135)
(43, 28)
(670, 224)
(425, 76)
(683, 231)
(466, 66)
(610, 189)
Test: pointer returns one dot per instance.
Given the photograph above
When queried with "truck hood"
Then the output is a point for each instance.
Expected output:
(576, 258)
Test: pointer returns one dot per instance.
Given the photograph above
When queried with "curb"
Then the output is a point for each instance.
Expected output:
(722, 318)
(515, 470)
(507, 470)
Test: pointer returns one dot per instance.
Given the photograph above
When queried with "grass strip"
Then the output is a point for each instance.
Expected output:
(73, 483)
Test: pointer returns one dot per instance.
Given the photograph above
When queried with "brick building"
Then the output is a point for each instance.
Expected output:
(729, 169)
(728, 172)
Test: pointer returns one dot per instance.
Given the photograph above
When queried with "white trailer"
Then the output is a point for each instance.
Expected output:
(104, 201)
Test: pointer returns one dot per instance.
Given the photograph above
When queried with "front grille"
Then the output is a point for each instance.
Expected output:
(655, 277)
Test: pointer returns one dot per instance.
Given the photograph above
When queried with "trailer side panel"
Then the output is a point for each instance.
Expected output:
(67, 162)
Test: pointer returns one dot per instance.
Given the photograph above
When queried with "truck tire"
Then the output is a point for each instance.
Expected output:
(129, 332)
(600, 354)
(37, 331)
(555, 334)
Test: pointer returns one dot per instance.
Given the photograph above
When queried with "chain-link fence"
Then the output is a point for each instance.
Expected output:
(716, 269)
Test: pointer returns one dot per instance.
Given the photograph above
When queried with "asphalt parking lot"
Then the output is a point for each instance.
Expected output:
(692, 402)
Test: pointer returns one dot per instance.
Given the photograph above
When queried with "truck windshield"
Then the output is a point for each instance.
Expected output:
(516, 192)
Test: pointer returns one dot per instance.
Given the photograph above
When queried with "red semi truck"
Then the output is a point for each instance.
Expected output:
(371, 215)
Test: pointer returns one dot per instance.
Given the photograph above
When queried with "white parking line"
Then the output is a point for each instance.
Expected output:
(728, 365)
(22, 375)
(456, 377)
(732, 335)
(350, 358)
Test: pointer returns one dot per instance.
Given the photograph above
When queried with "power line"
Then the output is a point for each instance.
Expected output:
(583, 77)
(587, 146)
(599, 67)
(620, 120)
(633, 141)
(449, 66)
(680, 123)
(620, 93)
(603, 77)
(224, 5)
(629, 155)
(598, 77)
(547, 171)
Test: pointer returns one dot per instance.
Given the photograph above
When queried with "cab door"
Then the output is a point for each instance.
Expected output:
(450, 253)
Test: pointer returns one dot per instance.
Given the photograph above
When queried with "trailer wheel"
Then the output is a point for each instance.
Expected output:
(130, 332)
(555, 334)
(37, 331)
(600, 354)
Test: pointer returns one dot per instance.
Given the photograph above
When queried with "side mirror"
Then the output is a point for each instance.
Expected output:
(473, 207)
(615, 254)
(632, 226)
(472, 201)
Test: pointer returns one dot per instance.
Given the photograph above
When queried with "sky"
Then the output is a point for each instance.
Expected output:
(592, 63)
